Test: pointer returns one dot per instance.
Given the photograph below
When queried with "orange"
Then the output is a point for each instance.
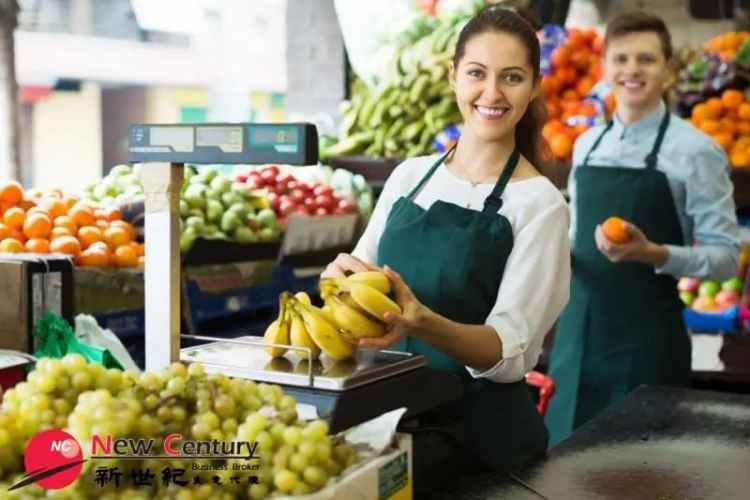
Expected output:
(728, 126)
(98, 213)
(585, 85)
(11, 192)
(5, 206)
(560, 57)
(17, 235)
(138, 247)
(89, 235)
(102, 224)
(141, 261)
(112, 214)
(65, 244)
(59, 231)
(743, 128)
(710, 126)
(11, 245)
(740, 159)
(70, 201)
(732, 98)
(54, 207)
(93, 258)
(587, 108)
(116, 236)
(67, 222)
(615, 229)
(551, 128)
(571, 95)
(723, 139)
(550, 85)
(553, 108)
(37, 225)
(580, 60)
(14, 217)
(715, 107)
(37, 245)
(126, 225)
(744, 111)
(4, 231)
(82, 214)
(125, 256)
(567, 75)
(561, 145)
(34, 194)
(26, 204)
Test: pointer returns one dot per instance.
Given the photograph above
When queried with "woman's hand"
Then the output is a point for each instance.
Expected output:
(409, 322)
(638, 249)
(344, 263)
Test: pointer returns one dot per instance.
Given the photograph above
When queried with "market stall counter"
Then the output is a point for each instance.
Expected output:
(658, 443)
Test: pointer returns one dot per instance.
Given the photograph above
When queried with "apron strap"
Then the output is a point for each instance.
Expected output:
(429, 173)
(597, 141)
(654, 154)
(494, 202)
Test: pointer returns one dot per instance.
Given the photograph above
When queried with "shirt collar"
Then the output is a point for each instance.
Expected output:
(646, 126)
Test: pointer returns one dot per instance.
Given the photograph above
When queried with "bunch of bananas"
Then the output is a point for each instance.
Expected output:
(401, 117)
(355, 307)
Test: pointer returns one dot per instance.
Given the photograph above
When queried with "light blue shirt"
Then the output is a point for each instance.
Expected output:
(698, 173)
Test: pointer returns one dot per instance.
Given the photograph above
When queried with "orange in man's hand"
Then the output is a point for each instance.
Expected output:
(616, 231)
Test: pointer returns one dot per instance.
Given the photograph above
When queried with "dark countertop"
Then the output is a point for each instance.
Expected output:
(658, 444)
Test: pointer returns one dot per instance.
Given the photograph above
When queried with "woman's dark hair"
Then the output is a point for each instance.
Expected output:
(521, 24)
(639, 22)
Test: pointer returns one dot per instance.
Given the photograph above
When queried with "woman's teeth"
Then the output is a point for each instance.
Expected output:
(632, 85)
(490, 112)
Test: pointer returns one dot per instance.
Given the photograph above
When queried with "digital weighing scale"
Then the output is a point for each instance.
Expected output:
(345, 392)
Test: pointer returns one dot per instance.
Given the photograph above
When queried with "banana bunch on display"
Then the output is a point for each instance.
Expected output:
(354, 308)
(401, 117)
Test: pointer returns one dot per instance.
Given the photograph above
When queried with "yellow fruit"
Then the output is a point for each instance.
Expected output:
(303, 297)
(300, 337)
(278, 331)
(353, 321)
(375, 279)
(372, 301)
(325, 335)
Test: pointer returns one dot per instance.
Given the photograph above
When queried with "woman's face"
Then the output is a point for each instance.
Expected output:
(637, 70)
(494, 84)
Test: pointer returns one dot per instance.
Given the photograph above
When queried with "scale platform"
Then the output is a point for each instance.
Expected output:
(346, 393)
(242, 357)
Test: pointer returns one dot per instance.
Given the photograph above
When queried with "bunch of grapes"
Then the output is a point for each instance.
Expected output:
(87, 399)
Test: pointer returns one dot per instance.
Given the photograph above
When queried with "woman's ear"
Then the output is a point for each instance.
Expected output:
(536, 91)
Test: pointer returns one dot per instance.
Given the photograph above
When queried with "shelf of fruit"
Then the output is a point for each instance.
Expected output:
(54, 222)
(86, 399)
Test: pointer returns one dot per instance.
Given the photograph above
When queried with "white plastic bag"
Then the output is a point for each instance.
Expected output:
(89, 331)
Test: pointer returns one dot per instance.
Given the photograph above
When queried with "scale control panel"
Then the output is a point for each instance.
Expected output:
(216, 143)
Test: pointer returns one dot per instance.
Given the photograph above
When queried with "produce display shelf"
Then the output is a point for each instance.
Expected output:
(206, 252)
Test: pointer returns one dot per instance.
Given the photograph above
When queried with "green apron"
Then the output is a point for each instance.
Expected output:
(453, 260)
(623, 324)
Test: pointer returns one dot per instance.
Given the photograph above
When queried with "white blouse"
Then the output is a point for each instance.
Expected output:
(536, 283)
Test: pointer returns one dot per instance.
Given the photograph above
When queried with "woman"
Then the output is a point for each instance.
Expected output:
(475, 245)
(623, 326)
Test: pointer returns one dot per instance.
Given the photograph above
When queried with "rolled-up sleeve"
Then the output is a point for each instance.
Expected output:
(709, 205)
(534, 289)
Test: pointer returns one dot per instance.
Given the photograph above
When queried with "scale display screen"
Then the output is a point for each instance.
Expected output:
(283, 139)
(217, 143)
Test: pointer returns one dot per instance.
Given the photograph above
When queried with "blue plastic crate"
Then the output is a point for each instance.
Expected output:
(724, 321)
(124, 323)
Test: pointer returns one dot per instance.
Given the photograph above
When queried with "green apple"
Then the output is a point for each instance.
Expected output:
(221, 184)
(184, 207)
(194, 195)
(119, 170)
(197, 223)
(267, 234)
(187, 238)
(266, 217)
(244, 234)
(214, 210)
(708, 288)
(240, 209)
(230, 199)
(229, 222)
(733, 283)
(687, 298)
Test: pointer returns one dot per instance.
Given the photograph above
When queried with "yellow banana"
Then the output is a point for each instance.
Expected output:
(376, 279)
(354, 322)
(300, 337)
(303, 297)
(325, 335)
(278, 331)
(372, 301)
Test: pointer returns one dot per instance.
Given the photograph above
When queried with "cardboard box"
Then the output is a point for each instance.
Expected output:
(387, 477)
(30, 284)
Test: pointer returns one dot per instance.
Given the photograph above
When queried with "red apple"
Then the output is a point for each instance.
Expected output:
(324, 201)
(241, 178)
(272, 168)
(688, 284)
(320, 211)
(287, 206)
(297, 195)
(274, 200)
(726, 298)
(322, 189)
(347, 206)
(302, 210)
(292, 185)
(268, 177)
